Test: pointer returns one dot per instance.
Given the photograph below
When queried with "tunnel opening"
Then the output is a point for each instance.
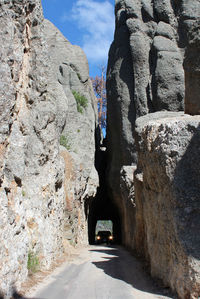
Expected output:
(106, 212)
(101, 207)
(106, 225)
(104, 232)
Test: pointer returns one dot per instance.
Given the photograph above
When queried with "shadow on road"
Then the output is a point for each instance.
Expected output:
(15, 295)
(120, 264)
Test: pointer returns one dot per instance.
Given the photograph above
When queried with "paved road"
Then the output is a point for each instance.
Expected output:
(101, 272)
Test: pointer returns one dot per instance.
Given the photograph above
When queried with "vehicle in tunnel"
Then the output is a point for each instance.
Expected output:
(98, 216)
(104, 237)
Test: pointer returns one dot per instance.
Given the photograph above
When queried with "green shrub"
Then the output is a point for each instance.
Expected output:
(64, 141)
(33, 262)
(81, 101)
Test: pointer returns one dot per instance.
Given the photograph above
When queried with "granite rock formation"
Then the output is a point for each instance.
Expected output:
(192, 69)
(167, 184)
(70, 64)
(145, 74)
(40, 181)
(154, 42)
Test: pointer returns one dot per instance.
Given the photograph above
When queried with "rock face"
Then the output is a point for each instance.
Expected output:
(145, 75)
(192, 69)
(70, 65)
(40, 181)
(167, 184)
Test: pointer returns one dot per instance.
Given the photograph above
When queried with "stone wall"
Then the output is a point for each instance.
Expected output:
(40, 182)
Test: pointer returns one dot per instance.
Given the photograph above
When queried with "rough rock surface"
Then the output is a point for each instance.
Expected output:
(167, 180)
(34, 177)
(192, 69)
(70, 65)
(127, 208)
(145, 73)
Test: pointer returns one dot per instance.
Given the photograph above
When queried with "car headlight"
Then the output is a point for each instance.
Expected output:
(110, 237)
(98, 237)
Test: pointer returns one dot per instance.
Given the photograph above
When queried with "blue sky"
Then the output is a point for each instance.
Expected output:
(87, 23)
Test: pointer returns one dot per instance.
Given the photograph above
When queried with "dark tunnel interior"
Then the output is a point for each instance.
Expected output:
(102, 207)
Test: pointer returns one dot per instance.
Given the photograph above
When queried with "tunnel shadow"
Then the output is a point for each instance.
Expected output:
(121, 265)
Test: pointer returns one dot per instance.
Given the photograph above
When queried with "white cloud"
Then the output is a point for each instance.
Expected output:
(96, 19)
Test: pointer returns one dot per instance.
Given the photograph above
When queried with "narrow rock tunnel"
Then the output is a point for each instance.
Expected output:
(102, 206)
(103, 209)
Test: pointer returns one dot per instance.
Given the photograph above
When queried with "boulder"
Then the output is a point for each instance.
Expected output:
(167, 186)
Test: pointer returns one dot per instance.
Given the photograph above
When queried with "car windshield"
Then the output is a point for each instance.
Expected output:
(104, 233)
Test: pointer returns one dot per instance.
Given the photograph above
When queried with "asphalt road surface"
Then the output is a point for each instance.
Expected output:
(101, 272)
